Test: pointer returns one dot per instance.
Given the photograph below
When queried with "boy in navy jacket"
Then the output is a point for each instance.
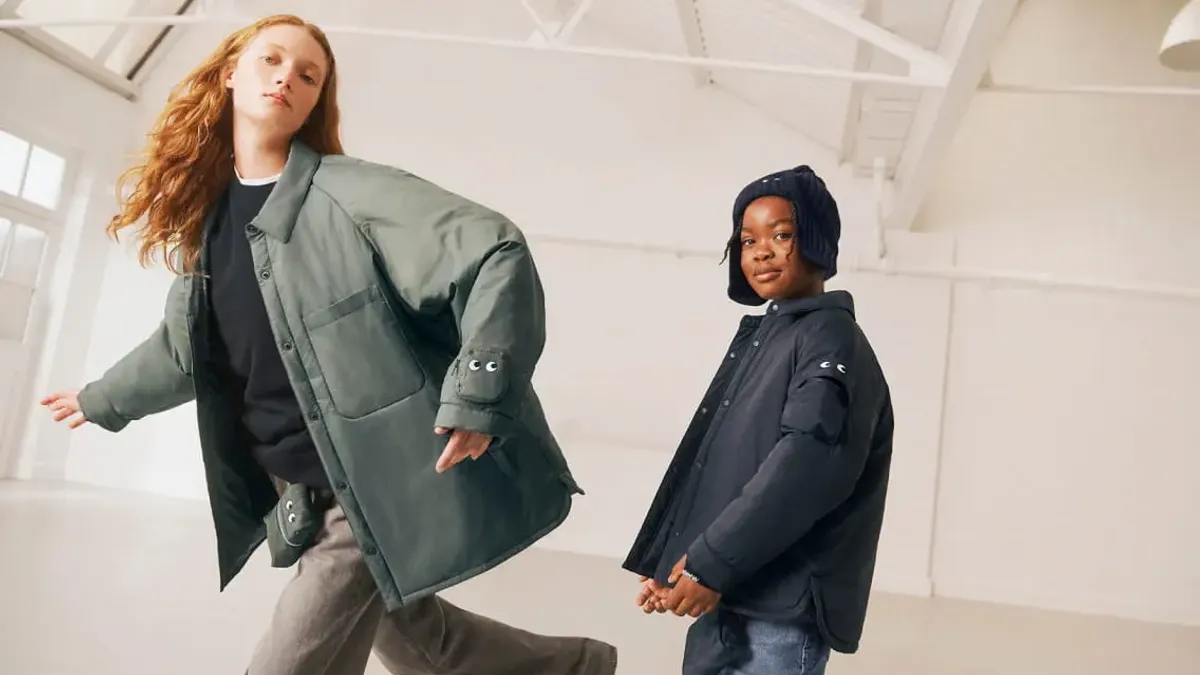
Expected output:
(767, 522)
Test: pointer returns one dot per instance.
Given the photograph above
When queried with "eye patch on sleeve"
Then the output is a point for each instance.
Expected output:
(818, 407)
(832, 367)
(483, 376)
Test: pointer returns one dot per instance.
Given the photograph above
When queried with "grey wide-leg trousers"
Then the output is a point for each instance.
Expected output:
(330, 617)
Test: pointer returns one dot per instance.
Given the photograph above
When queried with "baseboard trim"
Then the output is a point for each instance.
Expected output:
(919, 586)
(1179, 614)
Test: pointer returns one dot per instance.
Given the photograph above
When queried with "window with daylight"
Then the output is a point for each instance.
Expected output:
(119, 48)
(31, 186)
(22, 249)
(30, 172)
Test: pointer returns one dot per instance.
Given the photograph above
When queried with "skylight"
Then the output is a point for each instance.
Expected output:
(120, 49)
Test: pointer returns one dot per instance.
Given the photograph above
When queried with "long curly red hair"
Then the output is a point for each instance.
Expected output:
(188, 161)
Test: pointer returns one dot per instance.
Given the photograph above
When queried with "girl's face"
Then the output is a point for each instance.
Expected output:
(278, 79)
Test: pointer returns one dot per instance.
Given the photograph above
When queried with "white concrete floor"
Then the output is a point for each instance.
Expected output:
(109, 583)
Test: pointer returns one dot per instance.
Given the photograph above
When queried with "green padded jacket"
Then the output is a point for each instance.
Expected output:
(397, 306)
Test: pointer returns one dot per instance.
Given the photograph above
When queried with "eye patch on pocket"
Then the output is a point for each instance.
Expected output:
(819, 408)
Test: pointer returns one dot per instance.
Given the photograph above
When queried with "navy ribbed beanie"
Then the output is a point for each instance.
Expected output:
(818, 225)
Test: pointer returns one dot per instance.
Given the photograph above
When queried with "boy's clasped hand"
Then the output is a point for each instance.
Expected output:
(683, 597)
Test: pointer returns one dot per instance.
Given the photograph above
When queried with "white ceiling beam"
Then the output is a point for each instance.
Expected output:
(73, 59)
(31, 33)
(872, 11)
(171, 37)
(974, 30)
(119, 32)
(218, 7)
(568, 28)
(693, 38)
(558, 31)
(546, 29)
(709, 63)
(110, 44)
(1088, 89)
(921, 61)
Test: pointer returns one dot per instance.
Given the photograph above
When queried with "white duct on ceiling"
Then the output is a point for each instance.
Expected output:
(1181, 45)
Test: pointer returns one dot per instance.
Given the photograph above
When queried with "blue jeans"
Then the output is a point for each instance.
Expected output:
(724, 643)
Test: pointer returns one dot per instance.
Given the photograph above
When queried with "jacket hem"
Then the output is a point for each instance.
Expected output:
(836, 644)
(393, 603)
(228, 575)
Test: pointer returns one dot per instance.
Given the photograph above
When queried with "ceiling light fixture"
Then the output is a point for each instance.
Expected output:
(1181, 45)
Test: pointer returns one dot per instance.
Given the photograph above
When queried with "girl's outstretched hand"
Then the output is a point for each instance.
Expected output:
(65, 406)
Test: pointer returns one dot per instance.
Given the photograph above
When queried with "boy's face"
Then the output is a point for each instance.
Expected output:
(770, 259)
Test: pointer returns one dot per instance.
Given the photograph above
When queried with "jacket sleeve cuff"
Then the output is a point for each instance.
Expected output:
(469, 418)
(713, 572)
(98, 410)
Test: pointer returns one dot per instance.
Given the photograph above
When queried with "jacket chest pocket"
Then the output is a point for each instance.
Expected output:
(363, 355)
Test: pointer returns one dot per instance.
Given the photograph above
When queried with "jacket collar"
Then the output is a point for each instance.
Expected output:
(828, 300)
(278, 215)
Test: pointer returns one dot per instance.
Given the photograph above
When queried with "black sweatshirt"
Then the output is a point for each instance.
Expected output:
(244, 352)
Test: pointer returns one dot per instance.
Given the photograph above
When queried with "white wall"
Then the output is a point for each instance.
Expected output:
(580, 148)
(997, 391)
(53, 106)
(1070, 475)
